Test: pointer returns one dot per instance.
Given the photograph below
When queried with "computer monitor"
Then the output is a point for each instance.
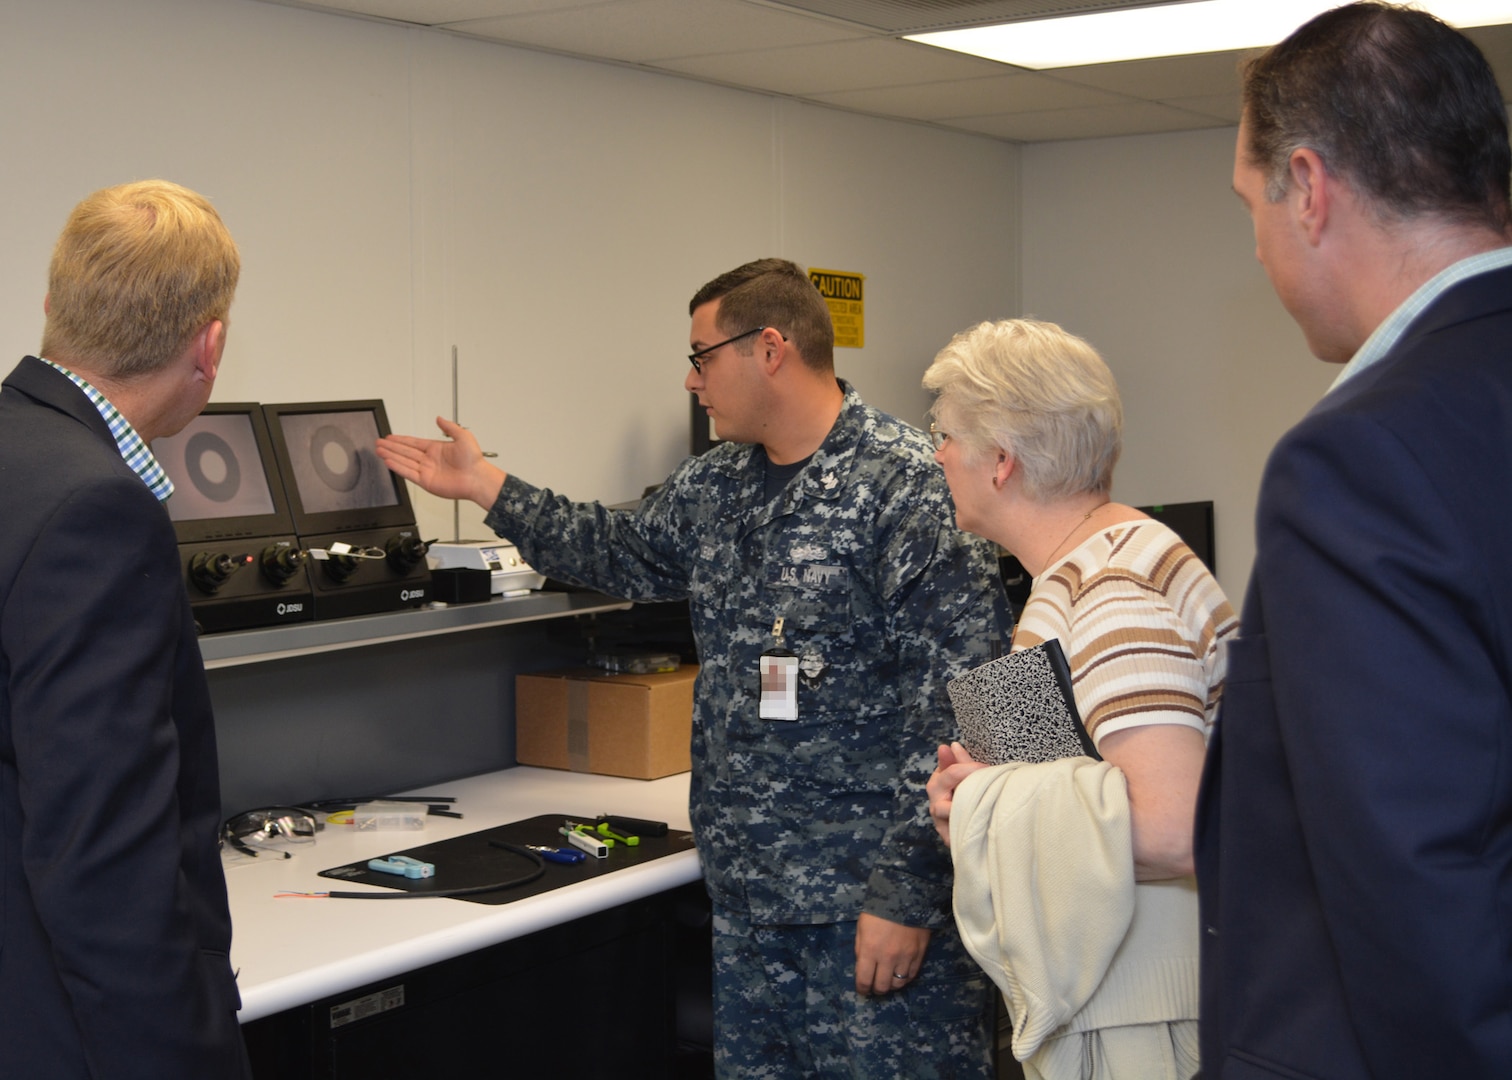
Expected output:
(224, 477)
(334, 478)
(352, 515)
(242, 563)
(1193, 522)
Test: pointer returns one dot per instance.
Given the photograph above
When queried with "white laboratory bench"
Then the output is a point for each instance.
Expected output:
(293, 951)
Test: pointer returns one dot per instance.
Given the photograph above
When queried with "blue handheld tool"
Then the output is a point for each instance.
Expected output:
(556, 854)
(403, 866)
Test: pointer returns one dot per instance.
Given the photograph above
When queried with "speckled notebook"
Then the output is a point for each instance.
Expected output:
(1020, 707)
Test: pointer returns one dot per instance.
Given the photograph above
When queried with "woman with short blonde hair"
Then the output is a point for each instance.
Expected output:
(1074, 885)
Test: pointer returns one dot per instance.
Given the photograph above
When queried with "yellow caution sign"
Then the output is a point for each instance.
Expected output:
(845, 294)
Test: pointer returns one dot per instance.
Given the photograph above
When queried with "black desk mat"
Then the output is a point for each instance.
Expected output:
(467, 861)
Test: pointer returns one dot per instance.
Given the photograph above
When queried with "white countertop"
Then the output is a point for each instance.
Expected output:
(292, 951)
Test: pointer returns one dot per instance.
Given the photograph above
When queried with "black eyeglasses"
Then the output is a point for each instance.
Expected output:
(695, 357)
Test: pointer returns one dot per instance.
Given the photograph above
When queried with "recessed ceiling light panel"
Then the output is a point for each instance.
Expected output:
(1199, 26)
(919, 16)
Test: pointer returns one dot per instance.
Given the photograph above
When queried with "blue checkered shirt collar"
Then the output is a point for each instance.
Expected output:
(133, 450)
(1385, 337)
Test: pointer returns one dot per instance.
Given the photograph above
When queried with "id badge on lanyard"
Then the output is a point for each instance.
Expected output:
(779, 680)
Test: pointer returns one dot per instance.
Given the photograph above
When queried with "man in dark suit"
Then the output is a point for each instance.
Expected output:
(1355, 825)
(114, 927)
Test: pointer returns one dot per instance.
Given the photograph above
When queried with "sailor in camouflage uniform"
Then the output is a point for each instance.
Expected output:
(820, 532)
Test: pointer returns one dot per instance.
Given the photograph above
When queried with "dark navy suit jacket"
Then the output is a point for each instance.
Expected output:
(114, 927)
(1354, 831)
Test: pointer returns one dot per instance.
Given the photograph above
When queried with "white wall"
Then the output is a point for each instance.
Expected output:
(1140, 246)
(397, 192)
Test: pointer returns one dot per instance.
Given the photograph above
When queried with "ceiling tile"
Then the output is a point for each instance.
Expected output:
(833, 66)
(1134, 118)
(909, 16)
(1223, 107)
(771, 46)
(971, 97)
(1163, 77)
(436, 12)
(641, 31)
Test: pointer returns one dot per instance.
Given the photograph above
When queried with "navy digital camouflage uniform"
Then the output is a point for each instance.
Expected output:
(810, 822)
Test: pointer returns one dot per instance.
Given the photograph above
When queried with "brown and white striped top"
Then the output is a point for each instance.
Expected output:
(1142, 623)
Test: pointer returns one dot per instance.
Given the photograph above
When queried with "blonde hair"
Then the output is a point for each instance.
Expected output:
(138, 270)
(1041, 394)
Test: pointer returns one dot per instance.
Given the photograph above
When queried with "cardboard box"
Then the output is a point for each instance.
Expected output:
(587, 720)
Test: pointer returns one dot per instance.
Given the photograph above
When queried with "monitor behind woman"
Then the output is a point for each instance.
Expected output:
(1080, 870)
